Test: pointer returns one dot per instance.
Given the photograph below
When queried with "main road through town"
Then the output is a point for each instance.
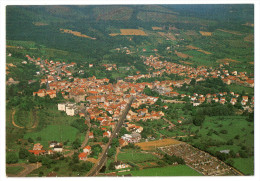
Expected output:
(95, 169)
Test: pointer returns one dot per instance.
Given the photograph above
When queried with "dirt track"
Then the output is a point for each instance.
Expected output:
(28, 168)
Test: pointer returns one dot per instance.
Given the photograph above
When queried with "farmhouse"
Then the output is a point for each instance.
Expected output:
(83, 156)
(87, 149)
(58, 148)
(132, 138)
(120, 165)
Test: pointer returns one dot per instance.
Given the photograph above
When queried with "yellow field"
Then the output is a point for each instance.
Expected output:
(151, 145)
(132, 32)
(114, 34)
(205, 52)
(227, 60)
(205, 33)
(76, 33)
(252, 63)
(156, 28)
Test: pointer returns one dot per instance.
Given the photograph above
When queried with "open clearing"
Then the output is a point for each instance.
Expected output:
(132, 32)
(205, 52)
(245, 165)
(249, 38)
(13, 170)
(182, 55)
(151, 145)
(192, 47)
(58, 133)
(76, 33)
(227, 60)
(231, 32)
(198, 49)
(40, 24)
(205, 33)
(156, 28)
(179, 170)
(136, 157)
(127, 32)
(188, 63)
(167, 35)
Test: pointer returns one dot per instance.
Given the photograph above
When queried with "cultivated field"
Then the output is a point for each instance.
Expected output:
(76, 33)
(179, 170)
(156, 28)
(227, 60)
(40, 24)
(167, 36)
(185, 62)
(182, 55)
(205, 33)
(54, 133)
(232, 32)
(151, 145)
(132, 32)
(198, 49)
(136, 157)
(192, 47)
(191, 33)
(249, 38)
(205, 52)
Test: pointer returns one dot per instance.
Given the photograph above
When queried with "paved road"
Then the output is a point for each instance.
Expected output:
(94, 171)
(87, 133)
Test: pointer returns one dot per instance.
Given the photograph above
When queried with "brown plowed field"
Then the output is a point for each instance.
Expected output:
(226, 60)
(151, 145)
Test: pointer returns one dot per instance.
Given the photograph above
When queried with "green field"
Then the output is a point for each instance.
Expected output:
(136, 157)
(24, 118)
(239, 89)
(14, 170)
(245, 165)
(180, 170)
(54, 132)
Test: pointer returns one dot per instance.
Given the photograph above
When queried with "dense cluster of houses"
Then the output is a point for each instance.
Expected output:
(105, 101)
(199, 73)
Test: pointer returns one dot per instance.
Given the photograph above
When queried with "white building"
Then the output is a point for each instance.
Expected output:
(62, 106)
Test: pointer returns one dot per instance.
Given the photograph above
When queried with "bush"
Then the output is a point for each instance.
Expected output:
(23, 153)
(198, 120)
(224, 131)
(11, 158)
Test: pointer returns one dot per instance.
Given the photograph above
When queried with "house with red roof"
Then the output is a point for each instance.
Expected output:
(87, 149)
(83, 156)
(107, 134)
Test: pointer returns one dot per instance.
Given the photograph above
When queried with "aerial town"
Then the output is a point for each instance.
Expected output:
(143, 101)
